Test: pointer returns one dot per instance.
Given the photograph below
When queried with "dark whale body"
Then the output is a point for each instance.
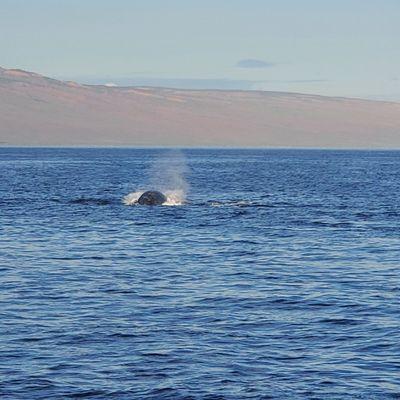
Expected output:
(152, 198)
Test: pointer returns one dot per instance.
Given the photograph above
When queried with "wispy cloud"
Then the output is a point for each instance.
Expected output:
(253, 63)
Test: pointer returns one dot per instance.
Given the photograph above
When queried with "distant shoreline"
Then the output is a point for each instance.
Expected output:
(40, 111)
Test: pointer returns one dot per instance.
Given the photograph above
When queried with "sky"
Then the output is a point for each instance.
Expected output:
(341, 48)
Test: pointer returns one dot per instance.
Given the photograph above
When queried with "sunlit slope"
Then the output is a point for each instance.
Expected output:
(35, 110)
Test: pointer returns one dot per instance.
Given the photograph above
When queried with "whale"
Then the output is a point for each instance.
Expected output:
(152, 198)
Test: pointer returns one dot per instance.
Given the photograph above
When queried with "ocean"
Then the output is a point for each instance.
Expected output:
(269, 274)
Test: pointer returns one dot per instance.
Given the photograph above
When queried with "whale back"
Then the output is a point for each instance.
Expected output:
(152, 198)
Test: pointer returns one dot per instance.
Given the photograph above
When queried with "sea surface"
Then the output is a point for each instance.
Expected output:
(275, 274)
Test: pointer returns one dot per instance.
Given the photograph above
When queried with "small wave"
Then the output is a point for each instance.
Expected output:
(238, 203)
(174, 198)
(91, 201)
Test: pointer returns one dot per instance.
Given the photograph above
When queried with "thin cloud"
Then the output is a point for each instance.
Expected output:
(253, 63)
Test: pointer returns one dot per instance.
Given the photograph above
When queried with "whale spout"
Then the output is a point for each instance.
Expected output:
(152, 198)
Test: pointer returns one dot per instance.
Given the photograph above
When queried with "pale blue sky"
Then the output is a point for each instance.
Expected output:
(342, 47)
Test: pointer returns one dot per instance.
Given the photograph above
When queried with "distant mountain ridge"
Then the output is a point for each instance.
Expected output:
(40, 111)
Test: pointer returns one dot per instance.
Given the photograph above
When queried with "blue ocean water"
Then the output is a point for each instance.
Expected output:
(277, 279)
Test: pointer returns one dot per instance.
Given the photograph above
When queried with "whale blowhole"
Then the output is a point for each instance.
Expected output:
(173, 198)
(152, 198)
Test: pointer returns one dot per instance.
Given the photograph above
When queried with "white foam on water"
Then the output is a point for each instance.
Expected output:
(175, 197)
(132, 198)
